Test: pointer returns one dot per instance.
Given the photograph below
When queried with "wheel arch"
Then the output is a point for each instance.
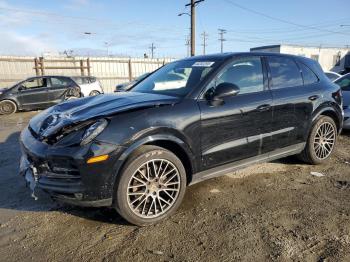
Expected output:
(332, 113)
(169, 142)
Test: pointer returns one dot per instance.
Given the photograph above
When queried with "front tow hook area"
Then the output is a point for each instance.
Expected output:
(30, 174)
(31, 178)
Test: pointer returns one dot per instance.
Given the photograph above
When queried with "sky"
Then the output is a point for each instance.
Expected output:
(128, 28)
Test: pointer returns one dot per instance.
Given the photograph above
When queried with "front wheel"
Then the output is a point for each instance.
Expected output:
(321, 141)
(151, 186)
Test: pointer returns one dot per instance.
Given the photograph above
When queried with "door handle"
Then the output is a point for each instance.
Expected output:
(263, 107)
(313, 98)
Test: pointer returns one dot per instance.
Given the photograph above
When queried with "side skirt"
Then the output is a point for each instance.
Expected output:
(231, 167)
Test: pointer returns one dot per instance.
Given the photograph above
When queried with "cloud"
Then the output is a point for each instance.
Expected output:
(17, 44)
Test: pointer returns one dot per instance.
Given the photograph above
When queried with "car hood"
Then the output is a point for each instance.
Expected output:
(74, 112)
(3, 90)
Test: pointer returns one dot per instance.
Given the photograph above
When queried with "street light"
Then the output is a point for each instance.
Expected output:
(344, 25)
(181, 14)
(192, 4)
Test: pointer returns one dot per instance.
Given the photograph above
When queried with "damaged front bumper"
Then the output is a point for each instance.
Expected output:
(64, 174)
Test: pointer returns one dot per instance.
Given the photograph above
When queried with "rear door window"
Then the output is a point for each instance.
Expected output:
(284, 72)
(60, 82)
(309, 76)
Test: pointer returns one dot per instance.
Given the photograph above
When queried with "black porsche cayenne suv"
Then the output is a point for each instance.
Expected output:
(191, 120)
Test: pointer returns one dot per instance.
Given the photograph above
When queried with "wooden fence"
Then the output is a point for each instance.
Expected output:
(110, 71)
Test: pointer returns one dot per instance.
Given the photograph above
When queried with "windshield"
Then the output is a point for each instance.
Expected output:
(344, 82)
(175, 79)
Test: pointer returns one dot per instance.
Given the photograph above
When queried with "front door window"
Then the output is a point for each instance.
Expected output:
(34, 83)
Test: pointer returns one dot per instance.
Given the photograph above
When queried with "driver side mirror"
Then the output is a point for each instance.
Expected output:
(20, 88)
(225, 89)
(221, 91)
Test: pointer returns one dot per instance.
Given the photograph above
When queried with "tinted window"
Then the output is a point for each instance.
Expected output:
(284, 72)
(35, 83)
(308, 75)
(60, 82)
(245, 73)
(81, 80)
(344, 82)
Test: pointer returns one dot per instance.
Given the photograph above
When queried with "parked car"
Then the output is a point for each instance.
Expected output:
(137, 151)
(332, 75)
(344, 83)
(128, 85)
(44, 91)
(89, 85)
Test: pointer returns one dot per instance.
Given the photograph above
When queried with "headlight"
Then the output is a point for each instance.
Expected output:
(93, 131)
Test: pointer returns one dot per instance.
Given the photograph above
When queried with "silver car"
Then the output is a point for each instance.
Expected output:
(344, 83)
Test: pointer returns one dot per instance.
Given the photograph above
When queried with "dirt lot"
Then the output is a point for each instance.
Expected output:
(275, 211)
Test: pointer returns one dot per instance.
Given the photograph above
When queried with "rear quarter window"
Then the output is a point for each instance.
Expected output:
(92, 79)
(284, 72)
(309, 76)
(82, 80)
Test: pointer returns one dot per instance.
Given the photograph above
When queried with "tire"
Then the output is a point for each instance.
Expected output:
(7, 107)
(151, 201)
(321, 141)
(94, 93)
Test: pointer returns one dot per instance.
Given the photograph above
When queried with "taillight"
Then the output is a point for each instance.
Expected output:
(338, 97)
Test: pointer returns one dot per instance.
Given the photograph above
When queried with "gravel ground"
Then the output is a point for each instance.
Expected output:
(273, 211)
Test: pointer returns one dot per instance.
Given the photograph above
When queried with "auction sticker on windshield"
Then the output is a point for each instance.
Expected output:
(203, 64)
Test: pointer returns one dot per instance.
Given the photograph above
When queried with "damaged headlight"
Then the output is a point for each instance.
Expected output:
(93, 131)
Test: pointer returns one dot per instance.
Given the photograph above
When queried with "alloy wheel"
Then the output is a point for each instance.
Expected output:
(153, 188)
(324, 140)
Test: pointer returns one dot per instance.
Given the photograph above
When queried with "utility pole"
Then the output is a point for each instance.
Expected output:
(205, 37)
(221, 38)
(107, 48)
(188, 46)
(152, 47)
(193, 5)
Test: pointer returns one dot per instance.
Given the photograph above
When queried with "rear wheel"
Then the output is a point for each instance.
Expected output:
(151, 186)
(94, 93)
(7, 107)
(321, 141)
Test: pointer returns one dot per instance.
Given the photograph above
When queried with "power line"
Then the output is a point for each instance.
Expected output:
(281, 20)
(221, 38)
(205, 38)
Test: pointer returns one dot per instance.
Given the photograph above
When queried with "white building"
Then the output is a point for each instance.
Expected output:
(330, 58)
